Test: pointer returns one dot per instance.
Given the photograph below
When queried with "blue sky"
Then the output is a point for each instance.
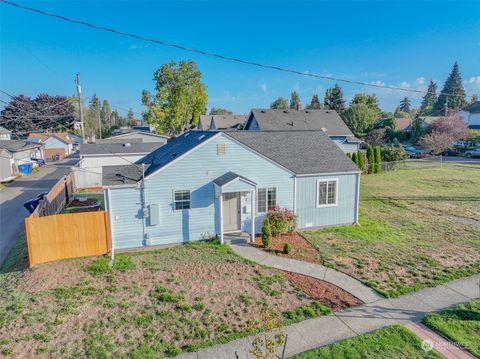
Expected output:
(401, 44)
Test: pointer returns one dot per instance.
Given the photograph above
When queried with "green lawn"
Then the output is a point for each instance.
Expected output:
(151, 304)
(419, 227)
(461, 324)
(391, 342)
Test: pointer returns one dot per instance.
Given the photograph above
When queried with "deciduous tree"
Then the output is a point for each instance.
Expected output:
(220, 111)
(179, 100)
(360, 118)
(294, 100)
(279, 104)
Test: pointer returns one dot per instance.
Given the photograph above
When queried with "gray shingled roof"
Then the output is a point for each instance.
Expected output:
(221, 122)
(229, 177)
(124, 174)
(473, 108)
(315, 120)
(302, 152)
(174, 149)
(4, 130)
(18, 145)
(114, 148)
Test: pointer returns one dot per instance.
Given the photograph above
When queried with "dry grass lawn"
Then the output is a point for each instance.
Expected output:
(419, 227)
(152, 304)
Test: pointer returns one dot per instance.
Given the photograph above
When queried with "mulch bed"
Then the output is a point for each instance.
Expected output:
(326, 293)
(87, 203)
(301, 249)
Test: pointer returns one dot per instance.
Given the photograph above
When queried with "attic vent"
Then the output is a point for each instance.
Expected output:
(127, 144)
(221, 149)
(201, 137)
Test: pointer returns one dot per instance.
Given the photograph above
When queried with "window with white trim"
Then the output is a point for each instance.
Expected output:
(181, 199)
(326, 193)
(266, 199)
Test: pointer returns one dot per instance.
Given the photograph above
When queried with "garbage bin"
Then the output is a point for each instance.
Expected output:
(25, 168)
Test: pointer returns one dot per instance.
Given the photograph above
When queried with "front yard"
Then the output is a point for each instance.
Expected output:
(152, 304)
(419, 227)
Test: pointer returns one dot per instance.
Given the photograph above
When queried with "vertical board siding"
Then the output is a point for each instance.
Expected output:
(343, 213)
(196, 173)
(65, 236)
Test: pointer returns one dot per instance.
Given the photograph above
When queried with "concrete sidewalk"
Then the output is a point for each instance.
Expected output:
(351, 285)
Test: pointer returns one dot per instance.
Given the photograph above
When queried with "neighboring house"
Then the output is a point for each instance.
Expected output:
(18, 153)
(471, 115)
(76, 141)
(206, 183)
(327, 121)
(88, 172)
(135, 136)
(5, 134)
(403, 124)
(56, 144)
(221, 122)
(427, 120)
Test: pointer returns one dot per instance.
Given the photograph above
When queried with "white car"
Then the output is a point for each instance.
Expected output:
(473, 153)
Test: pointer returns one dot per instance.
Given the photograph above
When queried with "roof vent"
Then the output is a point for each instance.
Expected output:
(285, 111)
(263, 111)
(290, 123)
(186, 135)
(324, 129)
(174, 154)
(127, 144)
(328, 111)
(201, 137)
(307, 111)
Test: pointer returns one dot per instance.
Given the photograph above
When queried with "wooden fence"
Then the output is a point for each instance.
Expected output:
(57, 197)
(63, 236)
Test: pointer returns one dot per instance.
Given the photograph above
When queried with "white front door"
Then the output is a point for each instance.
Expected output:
(231, 212)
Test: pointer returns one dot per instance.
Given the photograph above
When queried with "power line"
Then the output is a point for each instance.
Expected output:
(215, 55)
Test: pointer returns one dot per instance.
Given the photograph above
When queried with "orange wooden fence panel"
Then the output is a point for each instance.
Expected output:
(63, 236)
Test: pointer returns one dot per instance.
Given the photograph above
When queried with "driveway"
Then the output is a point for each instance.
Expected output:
(461, 160)
(12, 212)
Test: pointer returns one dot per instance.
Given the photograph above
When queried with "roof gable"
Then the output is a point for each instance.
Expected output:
(293, 120)
(96, 149)
(473, 108)
(220, 122)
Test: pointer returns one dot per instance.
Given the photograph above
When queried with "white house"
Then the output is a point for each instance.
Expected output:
(4, 134)
(135, 136)
(56, 144)
(88, 172)
(471, 115)
(14, 153)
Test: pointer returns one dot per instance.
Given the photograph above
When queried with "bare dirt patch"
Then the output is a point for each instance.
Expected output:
(301, 249)
(326, 293)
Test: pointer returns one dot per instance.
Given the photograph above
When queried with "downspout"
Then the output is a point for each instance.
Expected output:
(144, 204)
(112, 250)
(295, 194)
(357, 202)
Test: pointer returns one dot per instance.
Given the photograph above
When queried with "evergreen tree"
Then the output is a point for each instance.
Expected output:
(453, 89)
(473, 99)
(378, 159)
(430, 97)
(131, 121)
(349, 155)
(92, 125)
(371, 159)
(360, 161)
(315, 103)
(334, 99)
(294, 100)
(279, 104)
(266, 233)
(354, 158)
(405, 105)
(220, 111)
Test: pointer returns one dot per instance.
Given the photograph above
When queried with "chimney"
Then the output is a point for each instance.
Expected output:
(299, 106)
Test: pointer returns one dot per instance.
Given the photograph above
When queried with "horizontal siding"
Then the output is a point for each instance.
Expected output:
(345, 146)
(237, 186)
(311, 216)
(196, 173)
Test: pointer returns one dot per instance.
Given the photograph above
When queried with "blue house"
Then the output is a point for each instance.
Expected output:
(327, 121)
(207, 183)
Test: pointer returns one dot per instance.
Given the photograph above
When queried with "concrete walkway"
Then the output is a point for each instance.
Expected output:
(376, 314)
(351, 285)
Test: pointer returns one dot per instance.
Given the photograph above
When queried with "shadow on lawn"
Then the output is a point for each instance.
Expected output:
(423, 198)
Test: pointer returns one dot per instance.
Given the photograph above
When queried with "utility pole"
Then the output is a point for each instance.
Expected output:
(99, 122)
(80, 107)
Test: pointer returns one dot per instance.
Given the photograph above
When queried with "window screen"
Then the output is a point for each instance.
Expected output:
(327, 193)
(182, 199)
(266, 199)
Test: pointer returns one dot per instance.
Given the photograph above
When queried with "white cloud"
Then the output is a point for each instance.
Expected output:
(264, 88)
(472, 85)
(420, 81)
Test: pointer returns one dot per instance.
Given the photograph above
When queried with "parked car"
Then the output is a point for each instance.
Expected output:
(450, 152)
(473, 153)
(38, 161)
(413, 152)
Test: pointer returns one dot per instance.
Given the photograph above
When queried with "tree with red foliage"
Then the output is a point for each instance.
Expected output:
(444, 131)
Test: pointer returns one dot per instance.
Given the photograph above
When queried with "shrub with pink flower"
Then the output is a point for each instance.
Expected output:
(282, 220)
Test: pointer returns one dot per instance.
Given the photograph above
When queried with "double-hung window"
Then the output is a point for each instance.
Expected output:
(327, 193)
(181, 199)
(266, 199)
